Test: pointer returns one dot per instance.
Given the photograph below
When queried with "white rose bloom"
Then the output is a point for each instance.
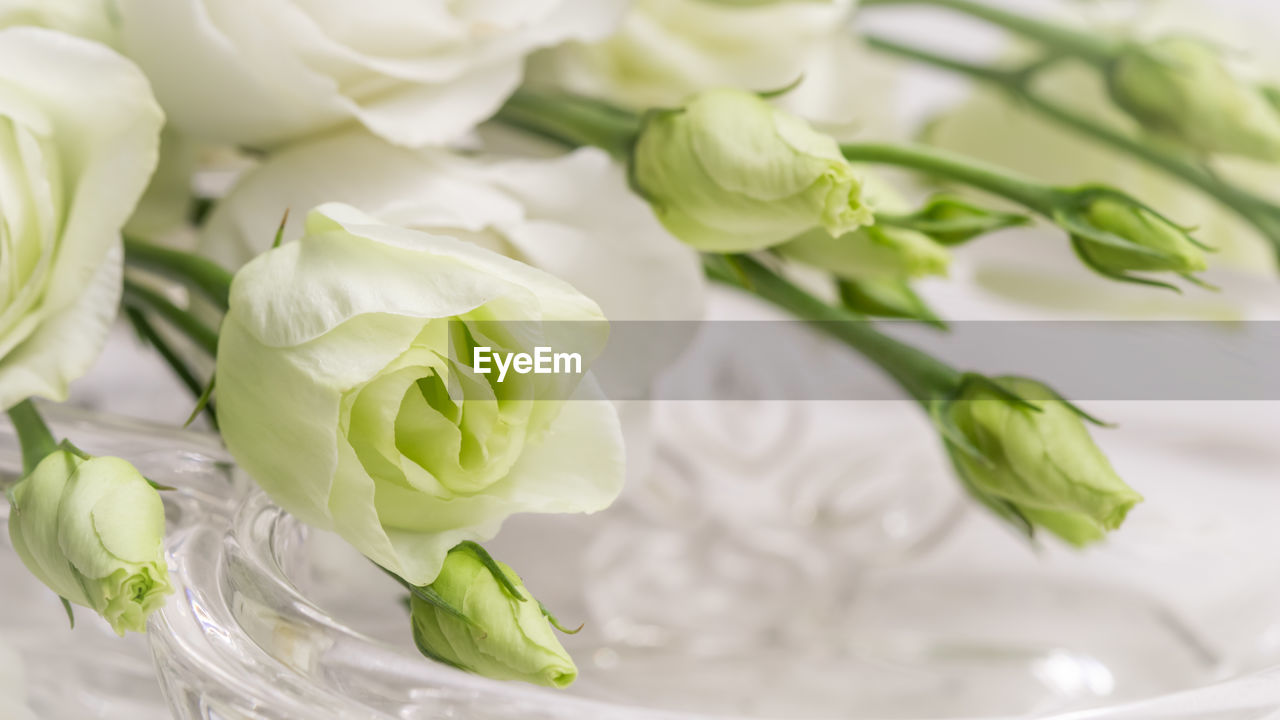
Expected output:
(572, 216)
(86, 18)
(667, 50)
(337, 393)
(415, 72)
(79, 145)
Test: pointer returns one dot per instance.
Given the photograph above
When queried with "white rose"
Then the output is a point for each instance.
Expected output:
(416, 72)
(79, 145)
(86, 18)
(338, 394)
(667, 50)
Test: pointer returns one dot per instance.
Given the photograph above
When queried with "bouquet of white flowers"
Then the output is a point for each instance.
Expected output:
(397, 311)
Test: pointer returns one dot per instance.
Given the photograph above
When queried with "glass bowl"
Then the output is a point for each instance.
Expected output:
(767, 567)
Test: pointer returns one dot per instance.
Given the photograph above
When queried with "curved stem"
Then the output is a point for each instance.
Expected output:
(1242, 201)
(1257, 211)
(924, 377)
(193, 328)
(150, 335)
(1083, 45)
(199, 273)
(33, 435)
(1035, 196)
(572, 120)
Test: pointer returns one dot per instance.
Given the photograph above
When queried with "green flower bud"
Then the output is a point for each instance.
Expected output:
(950, 220)
(1181, 88)
(886, 297)
(880, 251)
(877, 251)
(730, 173)
(1116, 235)
(497, 629)
(1024, 452)
(93, 531)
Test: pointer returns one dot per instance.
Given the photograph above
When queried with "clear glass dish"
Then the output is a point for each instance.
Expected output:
(766, 567)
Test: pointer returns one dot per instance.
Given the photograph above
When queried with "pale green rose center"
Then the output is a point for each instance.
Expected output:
(428, 424)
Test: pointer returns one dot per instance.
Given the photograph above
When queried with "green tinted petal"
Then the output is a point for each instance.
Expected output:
(1075, 528)
(33, 524)
(870, 253)
(747, 147)
(129, 521)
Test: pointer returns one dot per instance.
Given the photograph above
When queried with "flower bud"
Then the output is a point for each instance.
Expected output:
(497, 629)
(950, 220)
(728, 172)
(887, 297)
(1115, 235)
(879, 251)
(1181, 88)
(1024, 452)
(873, 252)
(93, 531)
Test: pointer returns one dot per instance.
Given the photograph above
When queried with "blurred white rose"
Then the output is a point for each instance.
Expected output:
(79, 145)
(571, 216)
(667, 50)
(86, 18)
(416, 72)
(165, 206)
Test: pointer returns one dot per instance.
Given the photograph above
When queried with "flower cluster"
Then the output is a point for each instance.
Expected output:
(378, 194)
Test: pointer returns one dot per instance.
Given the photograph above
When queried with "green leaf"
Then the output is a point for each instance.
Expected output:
(492, 566)
(426, 594)
(555, 623)
(202, 403)
(71, 615)
(280, 230)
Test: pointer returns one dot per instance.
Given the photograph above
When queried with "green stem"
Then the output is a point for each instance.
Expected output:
(199, 273)
(997, 181)
(1248, 205)
(149, 335)
(33, 435)
(184, 321)
(1259, 212)
(572, 120)
(924, 377)
(1086, 46)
